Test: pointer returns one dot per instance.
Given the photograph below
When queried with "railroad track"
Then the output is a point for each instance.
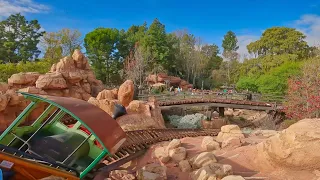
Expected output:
(225, 101)
(139, 141)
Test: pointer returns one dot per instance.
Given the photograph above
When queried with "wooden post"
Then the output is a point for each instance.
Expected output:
(221, 111)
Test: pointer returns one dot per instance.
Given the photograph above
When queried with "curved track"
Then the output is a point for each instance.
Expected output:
(138, 141)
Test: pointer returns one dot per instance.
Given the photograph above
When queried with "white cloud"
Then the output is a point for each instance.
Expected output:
(243, 41)
(309, 24)
(8, 7)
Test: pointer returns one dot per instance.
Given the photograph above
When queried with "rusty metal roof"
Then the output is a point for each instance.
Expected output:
(97, 121)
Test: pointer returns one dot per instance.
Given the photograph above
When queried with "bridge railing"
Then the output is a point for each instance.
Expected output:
(272, 98)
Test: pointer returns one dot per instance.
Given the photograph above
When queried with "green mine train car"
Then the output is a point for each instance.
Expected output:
(68, 139)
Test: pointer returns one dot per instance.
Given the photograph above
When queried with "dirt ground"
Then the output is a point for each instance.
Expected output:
(244, 160)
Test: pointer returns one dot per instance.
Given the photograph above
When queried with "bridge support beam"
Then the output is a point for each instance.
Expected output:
(221, 111)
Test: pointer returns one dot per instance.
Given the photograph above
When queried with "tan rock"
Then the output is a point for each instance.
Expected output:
(86, 87)
(162, 154)
(209, 144)
(121, 175)
(33, 90)
(86, 96)
(228, 131)
(232, 142)
(202, 159)
(139, 107)
(202, 174)
(73, 77)
(51, 81)
(174, 143)
(3, 87)
(65, 64)
(185, 166)
(212, 171)
(14, 98)
(53, 68)
(132, 122)
(125, 93)
(295, 147)
(228, 112)
(178, 154)
(115, 92)
(105, 104)
(4, 100)
(156, 112)
(106, 94)
(237, 113)
(76, 92)
(152, 172)
(52, 178)
(232, 177)
(265, 133)
(28, 78)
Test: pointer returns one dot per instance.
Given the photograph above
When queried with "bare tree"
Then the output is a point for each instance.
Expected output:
(136, 68)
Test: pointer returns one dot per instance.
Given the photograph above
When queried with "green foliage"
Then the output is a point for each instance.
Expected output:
(247, 83)
(229, 42)
(19, 39)
(101, 45)
(6, 70)
(280, 40)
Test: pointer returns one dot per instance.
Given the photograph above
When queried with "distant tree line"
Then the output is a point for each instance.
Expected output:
(117, 54)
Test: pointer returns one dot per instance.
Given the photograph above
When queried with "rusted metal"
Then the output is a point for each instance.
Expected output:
(102, 124)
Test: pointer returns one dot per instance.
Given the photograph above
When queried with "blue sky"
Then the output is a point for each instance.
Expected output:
(208, 19)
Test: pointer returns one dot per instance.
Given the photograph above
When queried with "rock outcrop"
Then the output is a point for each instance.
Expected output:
(228, 131)
(70, 77)
(295, 147)
(174, 81)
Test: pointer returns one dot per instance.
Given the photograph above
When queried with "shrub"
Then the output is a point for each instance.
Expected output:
(6, 70)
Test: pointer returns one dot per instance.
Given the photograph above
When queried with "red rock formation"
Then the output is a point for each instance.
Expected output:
(174, 81)
(70, 77)
(125, 93)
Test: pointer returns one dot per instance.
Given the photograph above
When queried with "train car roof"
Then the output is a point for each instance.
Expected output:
(98, 122)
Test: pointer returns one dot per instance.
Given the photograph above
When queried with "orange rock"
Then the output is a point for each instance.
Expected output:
(28, 78)
(106, 94)
(14, 98)
(139, 107)
(125, 93)
(132, 122)
(51, 81)
(33, 90)
(4, 99)
(156, 112)
(115, 92)
(86, 96)
(65, 64)
(3, 87)
(86, 87)
(105, 104)
(54, 92)
(73, 77)
(3, 122)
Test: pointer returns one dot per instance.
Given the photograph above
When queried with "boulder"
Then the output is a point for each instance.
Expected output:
(73, 77)
(106, 94)
(202, 159)
(212, 171)
(105, 104)
(209, 144)
(121, 174)
(14, 97)
(175, 143)
(232, 177)
(231, 142)
(228, 131)
(33, 90)
(138, 107)
(65, 64)
(228, 112)
(86, 87)
(178, 154)
(132, 122)
(162, 154)
(152, 172)
(4, 100)
(3, 87)
(264, 133)
(28, 78)
(155, 111)
(51, 81)
(185, 166)
(54, 92)
(125, 93)
(296, 147)
(52, 178)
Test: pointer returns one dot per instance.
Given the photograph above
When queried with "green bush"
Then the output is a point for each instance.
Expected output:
(6, 70)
